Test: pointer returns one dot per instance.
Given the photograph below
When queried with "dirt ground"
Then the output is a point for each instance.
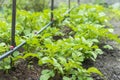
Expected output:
(109, 62)
(22, 72)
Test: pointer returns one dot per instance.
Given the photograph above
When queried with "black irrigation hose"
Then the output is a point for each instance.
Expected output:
(45, 27)
(23, 43)
(11, 51)
(69, 10)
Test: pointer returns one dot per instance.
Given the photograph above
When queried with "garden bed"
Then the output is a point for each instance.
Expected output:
(108, 64)
(65, 51)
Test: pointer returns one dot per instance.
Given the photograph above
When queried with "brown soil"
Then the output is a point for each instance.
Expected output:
(22, 71)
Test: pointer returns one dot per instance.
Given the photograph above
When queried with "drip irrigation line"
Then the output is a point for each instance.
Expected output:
(45, 27)
(23, 43)
(11, 51)
(69, 10)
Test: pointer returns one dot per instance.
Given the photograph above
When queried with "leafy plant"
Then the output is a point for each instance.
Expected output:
(64, 46)
(46, 74)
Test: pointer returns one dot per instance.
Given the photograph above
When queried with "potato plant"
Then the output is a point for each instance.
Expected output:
(63, 47)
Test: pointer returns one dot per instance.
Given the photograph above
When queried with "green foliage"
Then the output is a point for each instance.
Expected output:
(46, 74)
(66, 78)
(33, 5)
(94, 70)
(108, 47)
(3, 47)
(5, 64)
(114, 13)
(99, 1)
(65, 46)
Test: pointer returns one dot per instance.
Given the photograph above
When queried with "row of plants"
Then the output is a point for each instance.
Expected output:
(63, 47)
(33, 5)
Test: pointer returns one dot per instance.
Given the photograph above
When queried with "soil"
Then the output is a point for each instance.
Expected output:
(23, 70)
(108, 64)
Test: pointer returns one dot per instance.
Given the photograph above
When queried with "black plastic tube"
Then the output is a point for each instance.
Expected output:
(23, 43)
(50, 23)
(69, 10)
(11, 51)
(13, 23)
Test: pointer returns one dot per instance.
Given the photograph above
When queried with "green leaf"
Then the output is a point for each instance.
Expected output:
(57, 65)
(30, 55)
(46, 74)
(95, 40)
(111, 30)
(5, 64)
(7, 67)
(45, 60)
(89, 78)
(2, 44)
(62, 60)
(108, 47)
(16, 53)
(102, 14)
(66, 78)
(94, 54)
(94, 70)
(98, 51)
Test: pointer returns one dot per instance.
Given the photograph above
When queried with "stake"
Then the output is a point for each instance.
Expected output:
(69, 6)
(23, 43)
(78, 2)
(13, 23)
(52, 8)
(43, 4)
